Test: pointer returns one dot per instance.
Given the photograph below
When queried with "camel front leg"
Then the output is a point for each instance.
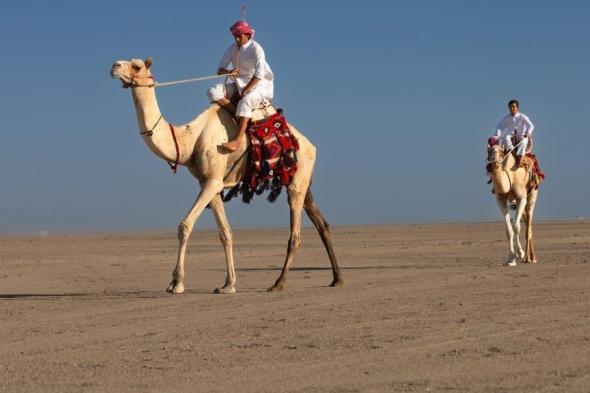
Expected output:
(225, 235)
(208, 190)
(295, 205)
(517, 225)
(511, 259)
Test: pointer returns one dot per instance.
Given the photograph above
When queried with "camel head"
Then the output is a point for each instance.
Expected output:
(133, 73)
(495, 156)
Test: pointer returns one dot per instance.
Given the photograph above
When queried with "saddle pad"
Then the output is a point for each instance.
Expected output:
(272, 159)
(531, 163)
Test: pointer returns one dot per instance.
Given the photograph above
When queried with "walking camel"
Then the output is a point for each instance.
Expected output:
(197, 145)
(513, 183)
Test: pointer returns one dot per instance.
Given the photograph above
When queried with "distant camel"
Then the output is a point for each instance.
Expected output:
(197, 145)
(512, 183)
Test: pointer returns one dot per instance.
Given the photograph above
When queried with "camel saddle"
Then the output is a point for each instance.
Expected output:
(531, 164)
(272, 156)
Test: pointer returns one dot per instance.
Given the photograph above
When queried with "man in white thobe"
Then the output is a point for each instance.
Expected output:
(252, 79)
(518, 124)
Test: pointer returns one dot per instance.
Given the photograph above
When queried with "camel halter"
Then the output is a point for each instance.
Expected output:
(150, 132)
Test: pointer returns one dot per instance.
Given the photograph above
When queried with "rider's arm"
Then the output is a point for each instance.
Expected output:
(529, 125)
(501, 125)
(253, 82)
(224, 61)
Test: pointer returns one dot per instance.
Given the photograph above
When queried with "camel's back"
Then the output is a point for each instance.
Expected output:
(215, 126)
(518, 176)
(218, 125)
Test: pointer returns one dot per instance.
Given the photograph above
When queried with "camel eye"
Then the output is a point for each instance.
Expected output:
(136, 67)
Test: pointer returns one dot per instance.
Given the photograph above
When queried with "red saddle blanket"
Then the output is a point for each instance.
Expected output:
(531, 163)
(272, 159)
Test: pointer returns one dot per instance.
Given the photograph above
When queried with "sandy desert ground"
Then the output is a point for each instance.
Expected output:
(424, 308)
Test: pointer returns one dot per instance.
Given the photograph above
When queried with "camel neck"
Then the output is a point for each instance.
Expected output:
(502, 175)
(500, 180)
(149, 118)
(147, 109)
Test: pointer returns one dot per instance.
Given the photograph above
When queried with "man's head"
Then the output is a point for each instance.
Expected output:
(242, 32)
(513, 107)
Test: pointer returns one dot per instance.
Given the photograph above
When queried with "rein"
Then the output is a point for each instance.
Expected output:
(203, 78)
(155, 84)
(510, 151)
(175, 165)
(509, 181)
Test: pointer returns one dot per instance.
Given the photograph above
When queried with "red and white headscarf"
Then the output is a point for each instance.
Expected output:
(241, 27)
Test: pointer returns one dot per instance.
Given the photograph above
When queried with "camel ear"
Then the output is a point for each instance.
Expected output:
(148, 62)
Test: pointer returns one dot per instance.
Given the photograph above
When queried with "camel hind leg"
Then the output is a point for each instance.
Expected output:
(314, 214)
(530, 256)
(296, 198)
(296, 203)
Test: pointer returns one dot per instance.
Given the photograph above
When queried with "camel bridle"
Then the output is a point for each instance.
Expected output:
(133, 83)
(497, 159)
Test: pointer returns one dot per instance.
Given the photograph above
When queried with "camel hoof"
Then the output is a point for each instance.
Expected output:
(337, 283)
(278, 287)
(175, 287)
(225, 290)
(510, 263)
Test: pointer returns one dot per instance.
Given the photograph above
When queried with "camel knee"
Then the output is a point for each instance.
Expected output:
(225, 236)
(294, 242)
(184, 230)
(326, 228)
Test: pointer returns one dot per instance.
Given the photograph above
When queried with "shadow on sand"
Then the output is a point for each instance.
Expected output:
(95, 296)
(306, 269)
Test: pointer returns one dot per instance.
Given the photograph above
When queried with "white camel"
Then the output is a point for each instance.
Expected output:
(513, 183)
(197, 146)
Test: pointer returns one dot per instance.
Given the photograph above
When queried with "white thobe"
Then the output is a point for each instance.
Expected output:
(519, 124)
(250, 60)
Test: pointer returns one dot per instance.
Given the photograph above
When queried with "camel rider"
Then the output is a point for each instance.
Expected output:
(517, 124)
(252, 83)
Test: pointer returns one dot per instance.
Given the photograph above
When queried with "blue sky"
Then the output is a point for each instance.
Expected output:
(399, 98)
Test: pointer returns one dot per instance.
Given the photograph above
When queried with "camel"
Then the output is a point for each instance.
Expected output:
(197, 146)
(512, 183)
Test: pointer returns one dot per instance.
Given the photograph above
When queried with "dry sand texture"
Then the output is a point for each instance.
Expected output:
(424, 308)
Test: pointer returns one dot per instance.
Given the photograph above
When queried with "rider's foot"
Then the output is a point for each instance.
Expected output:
(231, 145)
